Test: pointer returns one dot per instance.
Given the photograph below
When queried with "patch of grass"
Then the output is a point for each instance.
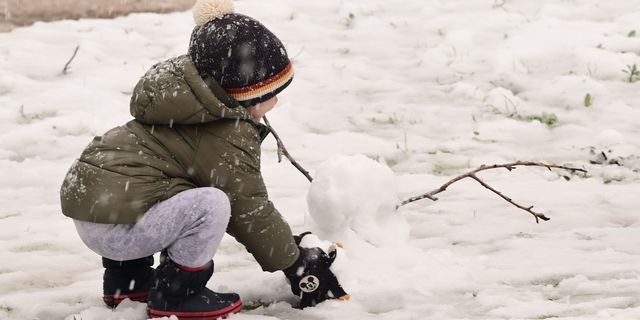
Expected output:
(588, 100)
(549, 119)
(609, 158)
(610, 180)
(631, 34)
(393, 119)
(349, 21)
(553, 281)
(253, 305)
(633, 74)
(570, 175)
(27, 118)
(601, 158)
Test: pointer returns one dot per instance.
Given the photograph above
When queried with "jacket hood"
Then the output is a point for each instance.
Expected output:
(173, 92)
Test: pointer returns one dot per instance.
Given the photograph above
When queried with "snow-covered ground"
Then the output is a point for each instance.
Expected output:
(431, 89)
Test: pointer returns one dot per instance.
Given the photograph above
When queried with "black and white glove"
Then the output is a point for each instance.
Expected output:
(310, 276)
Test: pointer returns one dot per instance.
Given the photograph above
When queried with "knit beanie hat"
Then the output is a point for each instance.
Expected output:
(242, 55)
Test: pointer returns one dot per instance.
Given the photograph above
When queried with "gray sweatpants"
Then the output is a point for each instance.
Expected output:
(190, 225)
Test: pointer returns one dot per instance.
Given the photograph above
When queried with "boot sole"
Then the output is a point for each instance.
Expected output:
(211, 315)
(114, 300)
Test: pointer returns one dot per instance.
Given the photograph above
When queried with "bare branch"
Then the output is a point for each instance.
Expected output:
(66, 66)
(536, 215)
(431, 194)
(283, 151)
(472, 174)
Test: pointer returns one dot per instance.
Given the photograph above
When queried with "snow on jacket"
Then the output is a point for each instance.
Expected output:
(187, 133)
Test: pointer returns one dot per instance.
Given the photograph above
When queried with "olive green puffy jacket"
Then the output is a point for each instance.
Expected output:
(187, 133)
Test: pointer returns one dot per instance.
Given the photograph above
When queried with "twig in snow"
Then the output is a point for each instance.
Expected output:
(472, 174)
(66, 65)
(283, 151)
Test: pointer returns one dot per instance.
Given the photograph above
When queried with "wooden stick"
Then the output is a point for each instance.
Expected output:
(283, 151)
(472, 174)
(66, 65)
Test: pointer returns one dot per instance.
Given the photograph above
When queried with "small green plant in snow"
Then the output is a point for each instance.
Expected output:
(350, 20)
(550, 119)
(633, 74)
(588, 100)
(252, 305)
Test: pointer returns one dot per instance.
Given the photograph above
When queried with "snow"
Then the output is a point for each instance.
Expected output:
(427, 90)
(356, 195)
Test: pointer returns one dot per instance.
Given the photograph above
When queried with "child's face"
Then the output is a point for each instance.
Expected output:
(258, 111)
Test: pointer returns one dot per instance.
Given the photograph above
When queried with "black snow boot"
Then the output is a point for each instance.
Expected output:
(129, 279)
(181, 291)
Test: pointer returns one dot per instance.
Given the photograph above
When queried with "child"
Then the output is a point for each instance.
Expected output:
(186, 170)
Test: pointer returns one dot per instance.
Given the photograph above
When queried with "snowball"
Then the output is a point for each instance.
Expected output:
(207, 10)
(354, 194)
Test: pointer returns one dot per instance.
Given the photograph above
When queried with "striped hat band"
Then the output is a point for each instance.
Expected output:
(264, 87)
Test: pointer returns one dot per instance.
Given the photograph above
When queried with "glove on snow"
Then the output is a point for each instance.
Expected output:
(310, 276)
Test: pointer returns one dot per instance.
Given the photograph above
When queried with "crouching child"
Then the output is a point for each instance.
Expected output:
(186, 170)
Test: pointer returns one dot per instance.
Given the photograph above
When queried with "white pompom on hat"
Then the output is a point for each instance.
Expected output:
(207, 10)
